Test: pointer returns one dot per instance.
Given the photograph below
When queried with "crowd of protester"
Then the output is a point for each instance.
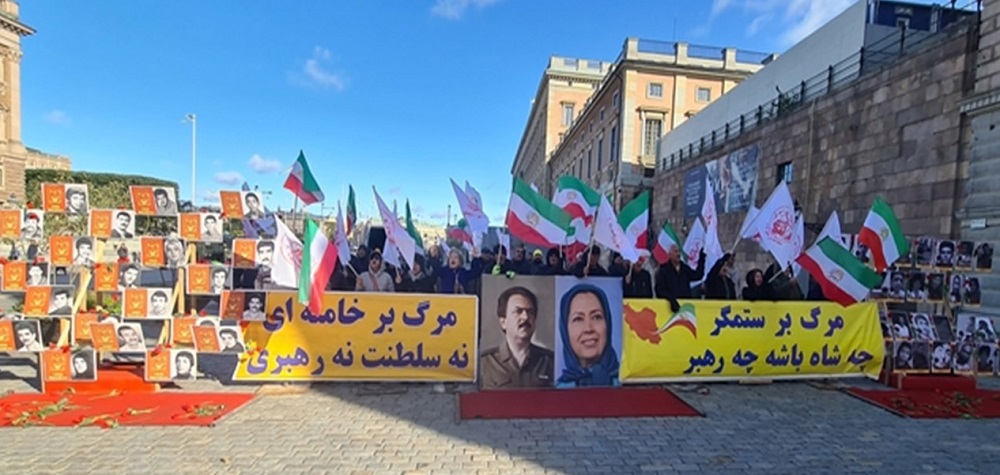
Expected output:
(455, 273)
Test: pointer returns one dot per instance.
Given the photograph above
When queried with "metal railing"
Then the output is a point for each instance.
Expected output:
(872, 58)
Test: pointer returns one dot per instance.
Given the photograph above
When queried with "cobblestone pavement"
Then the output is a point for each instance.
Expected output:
(408, 428)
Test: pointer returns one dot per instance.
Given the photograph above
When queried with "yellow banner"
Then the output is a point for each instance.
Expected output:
(731, 340)
(364, 336)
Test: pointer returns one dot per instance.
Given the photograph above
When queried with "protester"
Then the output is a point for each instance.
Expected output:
(434, 259)
(719, 283)
(674, 278)
(537, 262)
(375, 279)
(618, 267)
(502, 265)
(455, 278)
(757, 288)
(519, 264)
(638, 283)
(783, 283)
(553, 263)
(417, 281)
(589, 264)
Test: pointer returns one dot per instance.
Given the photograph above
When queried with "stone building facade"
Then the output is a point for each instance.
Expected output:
(895, 133)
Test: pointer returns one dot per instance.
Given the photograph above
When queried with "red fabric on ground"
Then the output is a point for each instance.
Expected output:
(113, 409)
(573, 403)
(935, 404)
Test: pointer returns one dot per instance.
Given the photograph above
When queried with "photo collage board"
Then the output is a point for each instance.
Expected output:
(138, 272)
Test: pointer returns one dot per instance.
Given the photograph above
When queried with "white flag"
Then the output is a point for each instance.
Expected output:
(693, 244)
(340, 239)
(472, 209)
(800, 239)
(776, 226)
(287, 262)
(713, 249)
(395, 234)
(609, 232)
(832, 229)
(747, 230)
(504, 240)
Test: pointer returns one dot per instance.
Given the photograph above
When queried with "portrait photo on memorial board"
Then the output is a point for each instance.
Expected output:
(129, 276)
(916, 289)
(903, 355)
(253, 306)
(963, 254)
(130, 337)
(920, 324)
(230, 339)
(173, 252)
(517, 340)
(77, 200)
(941, 357)
(165, 199)
(211, 227)
(924, 254)
(945, 258)
(123, 224)
(159, 302)
(900, 324)
(264, 256)
(28, 336)
(942, 327)
(253, 207)
(588, 331)
(83, 251)
(896, 289)
(984, 256)
(935, 286)
(964, 356)
(83, 365)
(905, 259)
(921, 357)
(955, 283)
(61, 301)
(986, 358)
(971, 292)
(183, 365)
(33, 225)
(37, 274)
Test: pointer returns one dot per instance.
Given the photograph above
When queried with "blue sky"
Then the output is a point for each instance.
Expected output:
(401, 95)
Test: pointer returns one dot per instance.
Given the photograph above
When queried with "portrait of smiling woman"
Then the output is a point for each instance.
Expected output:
(589, 340)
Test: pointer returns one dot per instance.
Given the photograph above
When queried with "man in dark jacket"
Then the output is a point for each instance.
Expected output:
(589, 264)
(638, 284)
(673, 279)
(553, 263)
(520, 263)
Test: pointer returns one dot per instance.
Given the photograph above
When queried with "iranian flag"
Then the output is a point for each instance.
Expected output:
(664, 241)
(608, 232)
(580, 202)
(534, 219)
(843, 278)
(634, 219)
(460, 232)
(411, 229)
(883, 236)
(352, 210)
(319, 259)
(302, 183)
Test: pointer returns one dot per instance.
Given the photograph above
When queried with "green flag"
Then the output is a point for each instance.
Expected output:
(352, 210)
(411, 229)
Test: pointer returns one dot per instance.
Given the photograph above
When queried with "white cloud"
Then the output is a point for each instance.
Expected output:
(455, 9)
(757, 23)
(210, 196)
(798, 18)
(316, 73)
(263, 165)
(229, 178)
(58, 117)
(807, 16)
(719, 6)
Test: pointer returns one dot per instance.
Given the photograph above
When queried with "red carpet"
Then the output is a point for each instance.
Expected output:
(121, 378)
(935, 404)
(114, 409)
(573, 403)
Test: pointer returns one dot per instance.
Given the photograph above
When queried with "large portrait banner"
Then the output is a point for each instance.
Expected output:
(733, 179)
(363, 337)
(517, 337)
(716, 340)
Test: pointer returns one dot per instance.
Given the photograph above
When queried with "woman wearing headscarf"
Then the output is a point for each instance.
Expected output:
(585, 330)
(375, 279)
(719, 283)
(756, 288)
(417, 280)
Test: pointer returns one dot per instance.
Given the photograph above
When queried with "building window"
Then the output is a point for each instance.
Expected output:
(703, 95)
(567, 118)
(654, 128)
(785, 172)
(673, 203)
(614, 145)
(602, 115)
(600, 154)
(616, 99)
(590, 156)
(655, 90)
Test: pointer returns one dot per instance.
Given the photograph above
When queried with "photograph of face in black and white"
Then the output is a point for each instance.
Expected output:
(27, 335)
(38, 274)
(971, 291)
(158, 305)
(253, 307)
(921, 358)
(963, 254)
(61, 301)
(124, 225)
(166, 201)
(915, 287)
(252, 207)
(902, 355)
(955, 288)
(963, 355)
(84, 365)
(128, 277)
(941, 359)
(220, 279)
(211, 229)
(173, 251)
(83, 251)
(924, 254)
(942, 326)
(986, 358)
(920, 324)
(985, 332)
(76, 200)
(130, 338)
(231, 340)
(945, 255)
(264, 256)
(935, 287)
(897, 285)
(33, 225)
(900, 324)
(184, 365)
(984, 256)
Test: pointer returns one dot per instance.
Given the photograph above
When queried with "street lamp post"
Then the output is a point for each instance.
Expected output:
(194, 125)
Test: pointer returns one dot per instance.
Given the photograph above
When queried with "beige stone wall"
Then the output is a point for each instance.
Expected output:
(895, 133)
(988, 69)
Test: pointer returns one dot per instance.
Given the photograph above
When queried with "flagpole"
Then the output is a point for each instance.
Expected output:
(295, 206)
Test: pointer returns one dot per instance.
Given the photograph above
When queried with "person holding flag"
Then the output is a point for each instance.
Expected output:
(674, 278)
